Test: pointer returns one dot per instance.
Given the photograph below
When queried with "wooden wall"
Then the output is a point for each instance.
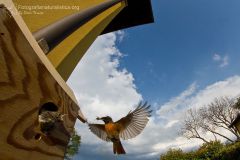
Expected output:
(25, 85)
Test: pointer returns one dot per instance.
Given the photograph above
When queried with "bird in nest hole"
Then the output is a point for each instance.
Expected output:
(48, 119)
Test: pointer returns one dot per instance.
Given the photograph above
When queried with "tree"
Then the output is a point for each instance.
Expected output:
(211, 118)
(73, 146)
(219, 115)
(237, 104)
(192, 126)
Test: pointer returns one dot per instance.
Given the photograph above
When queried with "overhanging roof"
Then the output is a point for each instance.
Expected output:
(137, 12)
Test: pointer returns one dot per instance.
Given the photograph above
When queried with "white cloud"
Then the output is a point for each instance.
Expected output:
(216, 57)
(100, 87)
(222, 60)
(171, 123)
(121, 35)
(162, 132)
(103, 89)
(225, 61)
(179, 100)
(192, 99)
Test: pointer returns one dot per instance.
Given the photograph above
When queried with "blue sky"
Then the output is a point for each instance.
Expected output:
(165, 57)
(189, 56)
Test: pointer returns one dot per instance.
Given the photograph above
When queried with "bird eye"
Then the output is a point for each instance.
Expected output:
(38, 136)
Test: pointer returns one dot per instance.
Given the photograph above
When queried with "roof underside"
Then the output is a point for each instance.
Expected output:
(137, 12)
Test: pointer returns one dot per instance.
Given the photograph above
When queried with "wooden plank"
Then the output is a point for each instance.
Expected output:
(25, 85)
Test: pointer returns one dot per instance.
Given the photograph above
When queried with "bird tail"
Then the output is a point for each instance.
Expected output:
(118, 148)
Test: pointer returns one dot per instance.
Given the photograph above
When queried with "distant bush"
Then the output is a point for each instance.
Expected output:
(174, 154)
(73, 146)
(208, 150)
(215, 150)
(229, 152)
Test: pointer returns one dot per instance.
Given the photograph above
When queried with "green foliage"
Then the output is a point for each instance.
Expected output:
(214, 150)
(177, 154)
(208, 150)
(73, 146)
(172, 154)
(229, 152)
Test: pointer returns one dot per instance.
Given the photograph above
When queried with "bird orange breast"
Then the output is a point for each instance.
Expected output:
(111, 129)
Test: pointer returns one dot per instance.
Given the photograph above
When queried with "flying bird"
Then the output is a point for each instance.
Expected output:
(126, 128)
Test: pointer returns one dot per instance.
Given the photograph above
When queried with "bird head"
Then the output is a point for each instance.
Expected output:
(106, 119)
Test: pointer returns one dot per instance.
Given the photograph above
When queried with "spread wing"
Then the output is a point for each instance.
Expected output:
(99, 130)
(133, 124)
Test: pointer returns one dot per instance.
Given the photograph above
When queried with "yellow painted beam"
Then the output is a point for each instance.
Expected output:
(39, 13)
(81, 41)
(65, 56)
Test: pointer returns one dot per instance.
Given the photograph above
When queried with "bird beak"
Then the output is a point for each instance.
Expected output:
(98, 118)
